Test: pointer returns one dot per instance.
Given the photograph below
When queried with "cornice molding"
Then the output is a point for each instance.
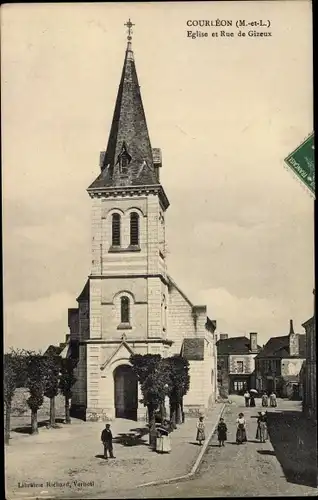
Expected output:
(129, 191)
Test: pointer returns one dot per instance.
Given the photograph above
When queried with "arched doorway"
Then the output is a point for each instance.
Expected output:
(126, 392)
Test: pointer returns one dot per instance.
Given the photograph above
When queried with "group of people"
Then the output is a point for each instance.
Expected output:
(272, 400)
(250, 399)
(261, 433)
(241, 434)
(163, 442)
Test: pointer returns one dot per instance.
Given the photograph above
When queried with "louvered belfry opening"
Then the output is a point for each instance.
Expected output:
(116, 230)
(134, 229)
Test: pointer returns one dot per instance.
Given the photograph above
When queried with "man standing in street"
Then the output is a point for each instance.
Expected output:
(107, 440)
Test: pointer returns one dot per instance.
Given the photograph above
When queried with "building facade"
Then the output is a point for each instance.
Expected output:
(278, 365)
(309, 373)
(129, 303)
(235, 362)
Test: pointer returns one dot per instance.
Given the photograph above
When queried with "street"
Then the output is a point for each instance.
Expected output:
(251, 469)
(284, 465)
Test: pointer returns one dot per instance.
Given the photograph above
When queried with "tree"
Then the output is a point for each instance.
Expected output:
(152, 382)
(180, 381)
(52, 364)
(67, 380)
(14, 375)
(36, 380)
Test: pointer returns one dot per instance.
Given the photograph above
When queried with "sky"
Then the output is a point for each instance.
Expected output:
(225, 112)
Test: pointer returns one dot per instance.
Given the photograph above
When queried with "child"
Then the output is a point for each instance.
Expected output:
(222, 432)
(107, 440)
(200, 430)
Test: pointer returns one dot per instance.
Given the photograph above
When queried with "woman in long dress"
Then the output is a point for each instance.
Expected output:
(262, 433)
(265, 399)
(252, 400)
(163, 444)
(200, 430)
(247, 397)
(272, 400)
(241, 429)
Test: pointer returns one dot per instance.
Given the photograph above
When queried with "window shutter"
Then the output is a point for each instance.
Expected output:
(134, 228)
(116, 230)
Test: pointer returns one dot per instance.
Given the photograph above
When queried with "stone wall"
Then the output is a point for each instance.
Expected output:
(137, 292)
(20, 407)
(103, 361)
(196, 398)
(223, 375)
(180, 319)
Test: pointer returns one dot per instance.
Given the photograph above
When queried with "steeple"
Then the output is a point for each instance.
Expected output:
(128, 160)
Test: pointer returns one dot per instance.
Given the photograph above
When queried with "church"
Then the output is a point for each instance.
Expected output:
(129, 303)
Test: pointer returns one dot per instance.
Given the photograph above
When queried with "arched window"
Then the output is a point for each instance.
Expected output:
(124, 310)
(134, 228)
(116, 230)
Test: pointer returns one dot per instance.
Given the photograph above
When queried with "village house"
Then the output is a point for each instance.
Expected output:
(309, 370)
(129, 303)
(278, 365)
(236, 364)
(62, 350)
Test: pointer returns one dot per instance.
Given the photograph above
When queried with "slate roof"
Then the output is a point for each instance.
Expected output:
(210, 324)
(278, 347)
(309, 322)
(193, 349)
(129, 132)
(234, 345)
(84, 295)
(54, 350)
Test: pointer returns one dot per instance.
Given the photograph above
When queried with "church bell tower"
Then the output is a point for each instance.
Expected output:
(128, 286)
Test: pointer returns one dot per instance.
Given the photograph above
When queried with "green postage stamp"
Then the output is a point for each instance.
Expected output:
(302, 162)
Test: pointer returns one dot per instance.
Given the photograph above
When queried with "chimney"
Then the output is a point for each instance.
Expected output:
(157, 161)
(293, 340)
(253, 342)
(224, 336)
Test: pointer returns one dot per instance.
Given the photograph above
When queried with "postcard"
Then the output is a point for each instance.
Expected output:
(158, 230)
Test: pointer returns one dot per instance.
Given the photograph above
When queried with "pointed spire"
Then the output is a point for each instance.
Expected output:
(128, 160)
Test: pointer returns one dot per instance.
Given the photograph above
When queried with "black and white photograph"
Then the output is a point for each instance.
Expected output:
(158, 189)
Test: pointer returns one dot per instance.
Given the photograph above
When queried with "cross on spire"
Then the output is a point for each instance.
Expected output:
(129, 25)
